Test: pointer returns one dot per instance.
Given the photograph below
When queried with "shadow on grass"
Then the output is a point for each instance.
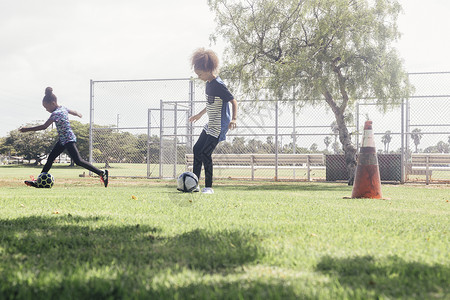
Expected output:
(33, 166)
(390, 277)
(72, 248)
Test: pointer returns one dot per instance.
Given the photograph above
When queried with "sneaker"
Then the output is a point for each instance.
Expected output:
(196, 190)
(31, 183)
(105, 177)
(207, 190)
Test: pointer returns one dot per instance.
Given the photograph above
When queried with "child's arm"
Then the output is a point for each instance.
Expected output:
(37, 128)
(75, 113)
(197, 116)
(234, 107)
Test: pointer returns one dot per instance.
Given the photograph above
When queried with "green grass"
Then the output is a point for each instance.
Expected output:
(249, 240)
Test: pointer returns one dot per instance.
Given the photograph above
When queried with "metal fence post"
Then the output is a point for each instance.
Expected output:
(294, 132)
(161, 132)
(149, 125)
(402, 147)
(407, 157)
(190, 126)
(91, 121)
(276, 140)
(175, 140)
(357, 127)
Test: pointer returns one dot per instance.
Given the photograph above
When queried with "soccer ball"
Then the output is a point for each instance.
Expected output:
(45, 180)
(187, 182)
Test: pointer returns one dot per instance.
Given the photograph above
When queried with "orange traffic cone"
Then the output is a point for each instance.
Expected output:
(367, 177)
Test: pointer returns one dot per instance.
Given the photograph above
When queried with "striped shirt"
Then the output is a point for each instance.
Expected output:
(217, 108)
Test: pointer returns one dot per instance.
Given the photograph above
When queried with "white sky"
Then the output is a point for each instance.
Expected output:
(64, 44)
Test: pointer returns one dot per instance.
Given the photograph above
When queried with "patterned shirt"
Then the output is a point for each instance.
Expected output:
(61, 118)
(218, 109)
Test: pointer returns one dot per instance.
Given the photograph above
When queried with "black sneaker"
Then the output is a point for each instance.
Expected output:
(104, 178)
(31, 183)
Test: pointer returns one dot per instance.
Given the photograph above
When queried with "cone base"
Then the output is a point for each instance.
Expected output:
(367, 182)
(348, 197)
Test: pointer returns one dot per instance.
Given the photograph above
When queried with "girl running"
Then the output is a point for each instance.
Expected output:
(205, 64)
(67, 139)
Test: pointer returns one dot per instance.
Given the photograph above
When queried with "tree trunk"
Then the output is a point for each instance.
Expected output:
(344, 136)
(348, 147)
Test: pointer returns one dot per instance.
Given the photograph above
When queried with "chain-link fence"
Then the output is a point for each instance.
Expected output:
(125, 123)
(141, 128)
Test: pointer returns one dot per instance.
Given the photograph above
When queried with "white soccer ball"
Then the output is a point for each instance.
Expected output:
(187, 182)
(45, 180)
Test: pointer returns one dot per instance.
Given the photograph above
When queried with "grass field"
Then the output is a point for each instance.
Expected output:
(141, 239)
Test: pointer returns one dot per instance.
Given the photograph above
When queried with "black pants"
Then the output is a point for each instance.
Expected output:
(203, 150)
(73, 153)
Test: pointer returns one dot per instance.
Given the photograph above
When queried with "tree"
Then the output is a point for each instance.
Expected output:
(32, 145)
(254, 146)
(386, 139)
(82, 133)
(327, 142)
(224, 147)
(238, 145)
(5, 148)
(336, 148)
(332, 50)
(270, 145)
(442, 147)
(335, 130)
(416, 136)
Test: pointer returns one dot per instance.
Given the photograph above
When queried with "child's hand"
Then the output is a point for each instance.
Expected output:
(232, 125)
(195, 118)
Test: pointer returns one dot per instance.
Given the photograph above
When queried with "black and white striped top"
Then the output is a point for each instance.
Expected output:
(217, 108)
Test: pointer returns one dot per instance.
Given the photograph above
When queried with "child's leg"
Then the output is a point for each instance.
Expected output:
(207, 150)
(75, 155)
(56, 151)
(197, 166)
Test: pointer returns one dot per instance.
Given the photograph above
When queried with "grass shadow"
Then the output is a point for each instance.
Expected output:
(71, 245)
(390, 277)
(33, 166)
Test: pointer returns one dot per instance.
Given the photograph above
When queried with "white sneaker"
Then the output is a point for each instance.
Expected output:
(196, 190)
(207, 190)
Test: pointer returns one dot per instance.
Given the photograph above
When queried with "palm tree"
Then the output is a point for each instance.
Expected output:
(327, 141)
(416, 136)
(386, 139)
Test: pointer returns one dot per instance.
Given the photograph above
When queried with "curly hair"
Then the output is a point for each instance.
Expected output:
(205, 60)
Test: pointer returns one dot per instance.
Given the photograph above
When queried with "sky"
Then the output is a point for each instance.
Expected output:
(64, 44)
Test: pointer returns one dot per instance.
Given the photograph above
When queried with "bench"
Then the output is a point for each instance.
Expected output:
(260, 161)
(425, 163)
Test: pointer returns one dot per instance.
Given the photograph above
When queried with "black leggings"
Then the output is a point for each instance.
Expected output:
(203, 150)
(73, 153)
